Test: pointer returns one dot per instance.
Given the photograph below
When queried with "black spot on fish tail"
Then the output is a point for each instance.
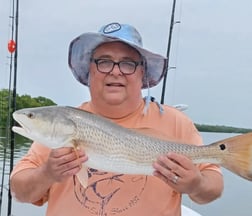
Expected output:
(222, 146)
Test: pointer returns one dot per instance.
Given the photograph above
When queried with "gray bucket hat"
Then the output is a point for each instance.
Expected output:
(81, 48)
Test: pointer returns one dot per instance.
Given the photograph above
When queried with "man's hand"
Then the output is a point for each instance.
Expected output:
(179, 172)
(63, 163)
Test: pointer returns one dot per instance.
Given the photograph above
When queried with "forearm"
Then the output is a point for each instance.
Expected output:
(209, 189)
(30, 185)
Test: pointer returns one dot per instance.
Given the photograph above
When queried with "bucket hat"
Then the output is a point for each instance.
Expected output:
(81, 48)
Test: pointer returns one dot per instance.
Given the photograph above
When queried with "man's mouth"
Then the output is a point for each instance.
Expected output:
(114, 85)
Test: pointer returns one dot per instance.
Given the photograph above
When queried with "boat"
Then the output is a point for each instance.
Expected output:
(188, 211)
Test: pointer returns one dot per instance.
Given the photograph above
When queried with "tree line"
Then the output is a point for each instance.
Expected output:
(22, 101)
(221, 129)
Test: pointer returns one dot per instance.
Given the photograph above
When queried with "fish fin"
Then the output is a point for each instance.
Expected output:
(82, 176)
(76, 146)
(237, 155)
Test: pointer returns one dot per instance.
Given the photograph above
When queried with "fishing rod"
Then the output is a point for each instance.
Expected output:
(13, 104)
(7, 133)
(11, 49)
(168, 49)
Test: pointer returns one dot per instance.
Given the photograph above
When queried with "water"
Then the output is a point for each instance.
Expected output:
(236, 199)
(18, 209)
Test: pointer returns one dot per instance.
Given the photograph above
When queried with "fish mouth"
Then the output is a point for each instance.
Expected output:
(20, 128)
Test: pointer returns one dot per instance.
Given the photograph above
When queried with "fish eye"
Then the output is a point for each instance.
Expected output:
(30, 115)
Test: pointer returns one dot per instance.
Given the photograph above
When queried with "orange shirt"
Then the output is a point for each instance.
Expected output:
(117, 194)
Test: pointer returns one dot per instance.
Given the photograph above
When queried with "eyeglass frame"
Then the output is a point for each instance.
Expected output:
(96, 61)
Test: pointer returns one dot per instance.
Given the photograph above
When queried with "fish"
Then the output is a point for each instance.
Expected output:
(113, 148)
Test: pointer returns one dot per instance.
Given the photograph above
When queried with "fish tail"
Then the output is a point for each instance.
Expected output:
(237, 155)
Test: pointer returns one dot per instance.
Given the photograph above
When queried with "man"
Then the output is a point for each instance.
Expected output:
(115, 67)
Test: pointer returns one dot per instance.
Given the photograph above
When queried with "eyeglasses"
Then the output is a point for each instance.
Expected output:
(107, 65)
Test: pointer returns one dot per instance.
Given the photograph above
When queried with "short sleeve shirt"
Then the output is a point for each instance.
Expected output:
(117, 194)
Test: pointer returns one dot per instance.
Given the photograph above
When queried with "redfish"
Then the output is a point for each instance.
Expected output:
(113, 148)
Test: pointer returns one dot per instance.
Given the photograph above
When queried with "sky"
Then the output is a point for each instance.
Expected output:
(211, 50)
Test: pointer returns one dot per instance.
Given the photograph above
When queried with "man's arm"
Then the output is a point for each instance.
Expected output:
(201, 186)
(209, 189)
(30, 185)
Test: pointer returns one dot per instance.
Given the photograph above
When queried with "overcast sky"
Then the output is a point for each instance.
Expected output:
(211, 51)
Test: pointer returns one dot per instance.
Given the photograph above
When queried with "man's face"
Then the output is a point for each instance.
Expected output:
(115, 88)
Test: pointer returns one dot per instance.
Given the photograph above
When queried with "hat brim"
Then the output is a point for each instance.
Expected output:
(81, 48)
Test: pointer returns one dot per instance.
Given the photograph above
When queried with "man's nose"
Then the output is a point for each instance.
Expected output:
(116, 70)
